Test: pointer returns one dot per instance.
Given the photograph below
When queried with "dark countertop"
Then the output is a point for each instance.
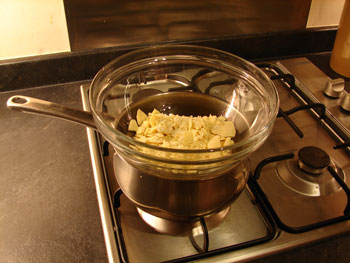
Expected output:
(48, 204)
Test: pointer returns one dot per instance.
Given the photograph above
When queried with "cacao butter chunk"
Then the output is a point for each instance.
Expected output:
(214, 142)
(188, 138)
(224, 129)
(140, 116)
(133, 126)
(183, 132)
(153, 119)
(227, 142)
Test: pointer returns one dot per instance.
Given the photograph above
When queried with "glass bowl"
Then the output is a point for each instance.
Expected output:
(184, 80)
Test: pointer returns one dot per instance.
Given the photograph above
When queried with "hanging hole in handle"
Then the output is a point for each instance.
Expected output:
(19, 100)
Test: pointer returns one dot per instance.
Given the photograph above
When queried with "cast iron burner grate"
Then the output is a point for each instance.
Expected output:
(319, 109)
(280, 223)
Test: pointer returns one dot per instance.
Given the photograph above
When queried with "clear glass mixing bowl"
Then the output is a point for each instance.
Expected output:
(184, 80)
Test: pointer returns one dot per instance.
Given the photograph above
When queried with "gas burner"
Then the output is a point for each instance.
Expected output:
(313, 160)
(172, 227)
(307, 174)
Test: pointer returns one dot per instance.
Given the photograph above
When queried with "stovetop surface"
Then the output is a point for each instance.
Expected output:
(247, 219)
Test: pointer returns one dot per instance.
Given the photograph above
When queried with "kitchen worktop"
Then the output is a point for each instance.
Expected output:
(48, 203)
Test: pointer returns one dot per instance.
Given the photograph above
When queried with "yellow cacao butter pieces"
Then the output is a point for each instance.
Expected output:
(182, 132)
(140, 116)
(224, 129)
(133, 126)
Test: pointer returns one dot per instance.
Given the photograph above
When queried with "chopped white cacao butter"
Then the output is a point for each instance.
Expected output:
(214, 142)
(133, 125)
(140, 116)
(182, 132)
(188, 138)
(224, 129)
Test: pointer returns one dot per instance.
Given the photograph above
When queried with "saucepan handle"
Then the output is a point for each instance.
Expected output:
(42, 107)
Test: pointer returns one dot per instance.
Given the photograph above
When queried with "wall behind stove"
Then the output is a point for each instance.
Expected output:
(39, 27)
(95, 23)
(324, 13)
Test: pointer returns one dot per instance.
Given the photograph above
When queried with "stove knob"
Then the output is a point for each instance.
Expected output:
(345, 102)
(334, 87)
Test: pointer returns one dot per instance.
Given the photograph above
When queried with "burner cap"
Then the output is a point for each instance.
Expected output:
(313, 159)
(293, 174)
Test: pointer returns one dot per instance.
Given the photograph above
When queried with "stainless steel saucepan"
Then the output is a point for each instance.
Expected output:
(170, 183)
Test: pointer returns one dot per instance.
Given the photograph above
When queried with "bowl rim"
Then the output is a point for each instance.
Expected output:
(102, 125)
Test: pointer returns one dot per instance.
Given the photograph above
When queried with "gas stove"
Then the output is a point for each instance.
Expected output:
(297, 190)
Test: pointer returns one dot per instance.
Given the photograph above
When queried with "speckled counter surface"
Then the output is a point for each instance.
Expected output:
(48, 204)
